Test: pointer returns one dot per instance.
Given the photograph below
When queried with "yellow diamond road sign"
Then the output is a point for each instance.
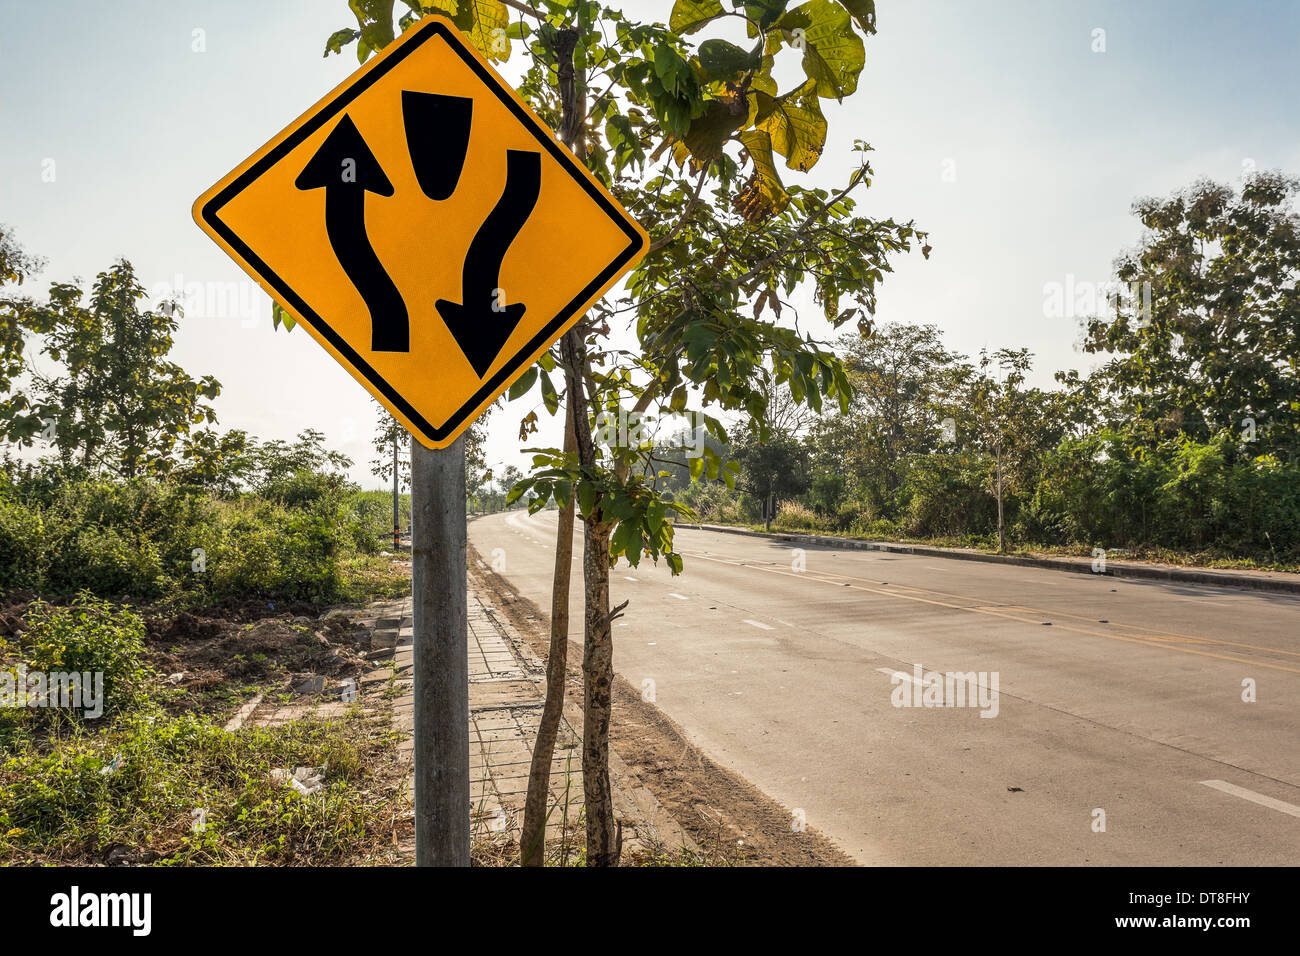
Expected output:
(426, 228)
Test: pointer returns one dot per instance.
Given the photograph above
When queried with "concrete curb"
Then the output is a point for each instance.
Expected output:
(1279, 582)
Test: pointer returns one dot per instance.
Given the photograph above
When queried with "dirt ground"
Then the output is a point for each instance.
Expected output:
(717, 808)
(216, 654)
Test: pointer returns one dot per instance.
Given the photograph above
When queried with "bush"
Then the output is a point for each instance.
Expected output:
(92, 636)
(148, 541)
(792, 516)
(22, 546)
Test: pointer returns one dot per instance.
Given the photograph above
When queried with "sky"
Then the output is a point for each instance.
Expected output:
(1017, 132)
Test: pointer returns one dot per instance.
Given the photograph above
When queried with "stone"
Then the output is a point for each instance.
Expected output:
(315, 684)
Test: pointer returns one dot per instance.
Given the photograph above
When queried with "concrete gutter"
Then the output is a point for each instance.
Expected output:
(1277, 581)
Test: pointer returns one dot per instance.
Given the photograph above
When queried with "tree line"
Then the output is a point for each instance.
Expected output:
(1185, 437)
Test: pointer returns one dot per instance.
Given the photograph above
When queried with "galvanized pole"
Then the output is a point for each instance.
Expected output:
(441, 655)
(397, 526)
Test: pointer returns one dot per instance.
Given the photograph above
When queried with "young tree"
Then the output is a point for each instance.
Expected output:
(998, 408)
(900, 376)
(686, 131)
(773, 470)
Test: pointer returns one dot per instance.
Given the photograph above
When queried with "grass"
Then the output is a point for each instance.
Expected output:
(158, 780)
(179, 790)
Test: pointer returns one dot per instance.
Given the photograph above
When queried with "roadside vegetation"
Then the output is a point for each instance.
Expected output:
(155, 778)
(1182, 446)
(189, 571)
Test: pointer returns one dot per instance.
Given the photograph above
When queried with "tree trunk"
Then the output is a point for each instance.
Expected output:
(1002, 534)
(597, 692)
(603, 846)
(532, 841)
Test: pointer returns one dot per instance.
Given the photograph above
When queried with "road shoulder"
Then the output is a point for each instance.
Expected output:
(722, 813)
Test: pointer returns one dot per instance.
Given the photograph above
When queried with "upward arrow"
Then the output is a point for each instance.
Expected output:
(482, 324)
(346, 169)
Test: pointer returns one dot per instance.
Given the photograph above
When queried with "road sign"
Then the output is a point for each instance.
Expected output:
(426, 228)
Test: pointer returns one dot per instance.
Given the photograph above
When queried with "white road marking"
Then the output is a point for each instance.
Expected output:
(760, 624)
(680, 597)
(1253, 797)
(627, 578)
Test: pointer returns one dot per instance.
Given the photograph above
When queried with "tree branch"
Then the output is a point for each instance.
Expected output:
(681, 221)
(525, 8)
(858, 178)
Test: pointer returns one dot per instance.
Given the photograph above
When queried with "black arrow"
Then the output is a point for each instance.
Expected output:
(482, 325)
(346, 169)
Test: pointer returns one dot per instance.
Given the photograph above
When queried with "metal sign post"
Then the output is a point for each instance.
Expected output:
(438, 567)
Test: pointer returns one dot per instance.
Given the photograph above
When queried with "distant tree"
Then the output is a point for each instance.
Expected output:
(773, 470)
(17, 418)
(114, 403)
(998, 410)
(274, 461)
(901, 375)
(1217, 338)
(219, 462)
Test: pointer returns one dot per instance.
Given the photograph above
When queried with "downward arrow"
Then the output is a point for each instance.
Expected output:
(482, 325)
(346, 169)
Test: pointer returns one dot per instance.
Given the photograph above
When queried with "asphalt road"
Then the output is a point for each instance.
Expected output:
(1119, 704)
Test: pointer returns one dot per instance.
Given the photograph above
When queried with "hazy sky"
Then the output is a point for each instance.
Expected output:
(997, 126)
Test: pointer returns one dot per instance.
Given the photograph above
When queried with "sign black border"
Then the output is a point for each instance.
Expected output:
(459, 418)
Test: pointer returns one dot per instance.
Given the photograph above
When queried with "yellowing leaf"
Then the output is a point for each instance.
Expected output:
(833, 54)
(796, 126)
(763, 196)
(690, 15)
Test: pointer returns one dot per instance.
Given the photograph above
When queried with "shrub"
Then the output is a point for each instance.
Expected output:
(22, 546)
(792, 516)
(94, 636)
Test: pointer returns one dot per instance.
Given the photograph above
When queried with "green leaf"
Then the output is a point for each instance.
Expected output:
(375, 18)
(280, 317)
(586, 498)
(563, 491)
(523, 383)
(721, 60)
(765, 12)
(690, 15)
(708, 133)
(339, 39)
(486, 23)
(549, 396)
